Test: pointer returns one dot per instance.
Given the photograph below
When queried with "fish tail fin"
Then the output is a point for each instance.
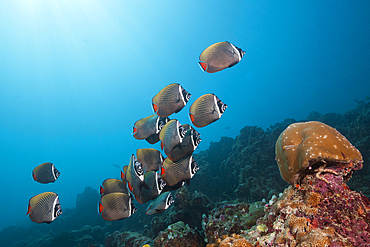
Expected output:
(192, 118)
(29, 209)
(101, 207)
(102, 190)
(203, 66)
(130, 187)
(155, 107)
(163, 171)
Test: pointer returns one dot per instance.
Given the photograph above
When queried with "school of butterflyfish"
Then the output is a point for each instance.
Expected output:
(149, 177)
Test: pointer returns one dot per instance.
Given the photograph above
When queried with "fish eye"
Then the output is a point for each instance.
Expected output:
(196, 137)
(241, 52)
(138, 168)
(186, 95)
(182, 131)
(170, 200)
(221, 106)
(162, 122)
(162, 184)
(194, 167)
(56, 173)
(133, 210)
(58, 210)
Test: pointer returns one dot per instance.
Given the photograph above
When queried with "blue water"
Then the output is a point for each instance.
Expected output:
(76, 75)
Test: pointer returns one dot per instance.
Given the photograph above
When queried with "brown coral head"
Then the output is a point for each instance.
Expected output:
(309, 147)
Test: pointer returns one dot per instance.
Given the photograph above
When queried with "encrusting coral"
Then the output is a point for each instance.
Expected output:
(313, 147)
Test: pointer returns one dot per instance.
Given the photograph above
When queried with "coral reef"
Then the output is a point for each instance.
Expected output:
(121, 239)
(179, 235)
(318, 209)
(233, 241)
(315, 212)
(230, 219)
(188, 209)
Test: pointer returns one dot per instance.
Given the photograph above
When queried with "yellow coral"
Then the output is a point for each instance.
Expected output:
(226, 242)
(282, 236)
(316, 238)
(235, 242)
(262, 228)
(313, 199)
(241, 242)
(299, 226)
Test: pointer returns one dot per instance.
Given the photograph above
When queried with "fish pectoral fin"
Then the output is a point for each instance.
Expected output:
(231, 65)
(49, 212)
(146, 186)
(188, 182)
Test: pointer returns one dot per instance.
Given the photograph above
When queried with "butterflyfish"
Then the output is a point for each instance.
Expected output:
(44, 207)
(207, 109)
(171, 99)
(134, 176)
(160, 204)
(111, 185)
(150, 158)
(148, 128)
(156, 185)
(220, 56)
(116, 206)
(188, 145)
(178, 171)
(45, 173)
(171, 135)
